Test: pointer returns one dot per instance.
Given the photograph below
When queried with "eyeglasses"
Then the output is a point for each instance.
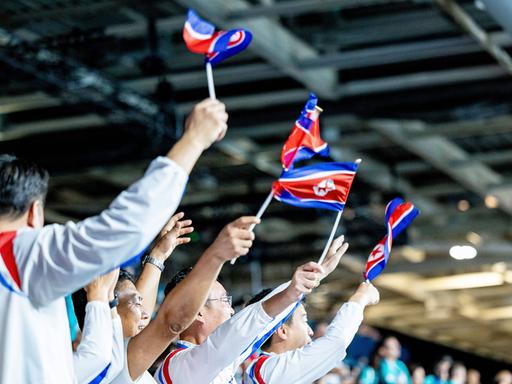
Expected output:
(225, 299)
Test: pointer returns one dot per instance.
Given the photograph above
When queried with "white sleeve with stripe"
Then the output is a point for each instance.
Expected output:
(59, 259)
(235, 340)
(118, 352)
(307, 364)
(94, 352)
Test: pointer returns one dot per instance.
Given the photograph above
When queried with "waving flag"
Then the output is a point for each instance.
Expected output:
(398, 217)
(304, 141)
(325, 185)
(201, 37)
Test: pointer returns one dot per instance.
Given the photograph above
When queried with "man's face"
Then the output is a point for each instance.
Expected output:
(503, 377)
(298, 330)
(391, 348)
(217, 309)
(133, 316)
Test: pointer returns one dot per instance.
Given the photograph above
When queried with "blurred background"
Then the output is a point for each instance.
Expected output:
(421, 90)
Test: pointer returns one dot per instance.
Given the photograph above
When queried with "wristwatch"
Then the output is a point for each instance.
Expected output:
(155, 262)
(114, 303)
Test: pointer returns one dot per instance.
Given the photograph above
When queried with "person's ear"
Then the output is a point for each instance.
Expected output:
(283, 332)
(200, 317)
(35, 218)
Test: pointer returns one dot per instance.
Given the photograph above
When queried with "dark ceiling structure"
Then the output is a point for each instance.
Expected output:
(421, 90)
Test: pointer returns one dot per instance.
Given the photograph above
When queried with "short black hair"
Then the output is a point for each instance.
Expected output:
(124, 275)
(258, 297)
(176, 279)
(21, 183)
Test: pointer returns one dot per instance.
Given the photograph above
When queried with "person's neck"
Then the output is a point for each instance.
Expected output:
(194, 338)
(13, 225)
(278, 348)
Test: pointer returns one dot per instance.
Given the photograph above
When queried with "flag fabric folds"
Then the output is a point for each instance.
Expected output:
(201, 37)
(399, 215)
(304, 141)
(324, 185)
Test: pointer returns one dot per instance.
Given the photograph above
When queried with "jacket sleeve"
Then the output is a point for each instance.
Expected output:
(118, 351)
(233, 342)
(59, 259)
(94, 352)
(316, 359)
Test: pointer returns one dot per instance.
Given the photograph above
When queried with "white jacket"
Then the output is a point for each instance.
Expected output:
(313, 361)
(38, 267)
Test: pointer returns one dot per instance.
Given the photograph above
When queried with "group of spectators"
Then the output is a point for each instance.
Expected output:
(71, 315)
(386, 367)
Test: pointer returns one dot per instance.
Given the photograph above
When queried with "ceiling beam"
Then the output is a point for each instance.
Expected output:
(447, 157)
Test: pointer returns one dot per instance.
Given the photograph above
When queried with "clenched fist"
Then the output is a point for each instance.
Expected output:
(234, 240)
(366, 294)
(207, 123)
(305, 279)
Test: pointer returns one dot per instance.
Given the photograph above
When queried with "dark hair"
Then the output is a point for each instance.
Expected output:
(21, 183)
(258, 297)
(124, 275)
(80, 302)
(176, 279)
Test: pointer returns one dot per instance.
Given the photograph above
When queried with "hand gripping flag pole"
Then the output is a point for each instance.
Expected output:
(333, 230)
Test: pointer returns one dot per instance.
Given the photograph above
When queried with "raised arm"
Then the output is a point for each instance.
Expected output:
(307, 364)
(57, 260)
(239, 337)
(170, 237)
(182, 304)
(94, 353)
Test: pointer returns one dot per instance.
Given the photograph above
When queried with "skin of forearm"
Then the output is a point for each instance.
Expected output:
(176, 313)
(147, 285)
(186, 152)
(97, 295)
(279, 302)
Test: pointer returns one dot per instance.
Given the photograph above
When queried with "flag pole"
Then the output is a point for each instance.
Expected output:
(211, 85)
(331, 237)
(260, 213)
(333, 231)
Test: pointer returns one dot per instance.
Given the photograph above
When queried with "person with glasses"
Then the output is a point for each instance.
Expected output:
(40, 265)
(218, 341)
(146, 340)
(290, 355)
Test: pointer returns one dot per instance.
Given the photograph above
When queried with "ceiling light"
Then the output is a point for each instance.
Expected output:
(463, 252)
(463, 205)
(491, 201)
(474, 238)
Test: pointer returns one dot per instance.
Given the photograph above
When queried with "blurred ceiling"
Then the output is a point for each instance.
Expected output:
(420, 90)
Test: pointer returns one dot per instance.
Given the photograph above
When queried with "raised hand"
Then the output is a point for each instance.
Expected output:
(207, 123)
(366, 294)
(234, 240)
(102, 288)
(305, 279)
(336, 251)
(171, 236)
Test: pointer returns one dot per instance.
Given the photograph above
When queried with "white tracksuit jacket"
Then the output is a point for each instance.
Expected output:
(38, 267)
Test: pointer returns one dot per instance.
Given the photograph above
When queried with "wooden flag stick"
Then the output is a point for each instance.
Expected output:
(211, 85)
(331, 237)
